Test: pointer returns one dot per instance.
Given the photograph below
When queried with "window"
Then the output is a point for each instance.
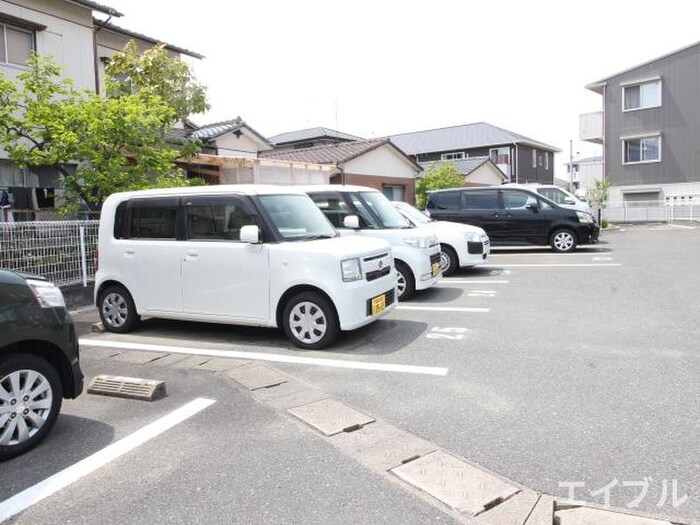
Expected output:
(534, 158)
(217, 218)
(643, 95)
(546, 160)
(457, 155)
(152, 219)
(644, 149)
(333, 207)
(481, 200)
(445, 200)
(517, 200)
(16, 45)
(500, 155)
(394, 192)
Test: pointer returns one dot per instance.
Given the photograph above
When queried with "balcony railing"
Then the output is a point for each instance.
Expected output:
(591, 127)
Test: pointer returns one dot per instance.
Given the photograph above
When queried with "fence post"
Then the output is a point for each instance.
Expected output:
(83, 260)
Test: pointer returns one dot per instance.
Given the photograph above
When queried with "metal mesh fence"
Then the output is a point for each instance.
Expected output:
(62, 251)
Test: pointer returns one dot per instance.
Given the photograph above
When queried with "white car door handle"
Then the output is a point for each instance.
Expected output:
(191, 256)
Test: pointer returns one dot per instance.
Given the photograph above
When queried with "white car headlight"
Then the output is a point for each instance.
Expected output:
(416, 242)
(47, 294)
(585, 218)
(472, 237)
(350, 268)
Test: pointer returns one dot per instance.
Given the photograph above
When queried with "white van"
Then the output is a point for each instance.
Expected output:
(366, 212)
(249, 255)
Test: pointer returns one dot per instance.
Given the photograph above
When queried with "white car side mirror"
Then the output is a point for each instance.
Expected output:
(351, 221)
(250, 234)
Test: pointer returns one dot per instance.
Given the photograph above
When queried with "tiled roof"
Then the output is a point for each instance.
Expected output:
(327, 153)
(211, 131)
(311, 133)
(463, 166)
(145, 38)
(466, 136)
(97, 7)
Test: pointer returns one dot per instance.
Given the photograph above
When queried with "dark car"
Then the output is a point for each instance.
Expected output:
(39, 360)
(515, 216)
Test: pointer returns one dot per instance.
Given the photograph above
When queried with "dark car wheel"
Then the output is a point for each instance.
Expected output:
(563, 240)
(117, 310)
(449, 262)
(406, 283)
(30, 401)
(310, 321)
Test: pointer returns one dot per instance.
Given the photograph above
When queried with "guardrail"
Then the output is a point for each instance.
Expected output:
(62, 251)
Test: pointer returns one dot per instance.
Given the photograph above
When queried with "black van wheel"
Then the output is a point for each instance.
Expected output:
(117, 310)
(449, 262)
(563, 241)
(310, 321)
(34, 396)
(406, 283)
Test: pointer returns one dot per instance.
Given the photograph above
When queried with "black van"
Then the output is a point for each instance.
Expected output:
(514, 216)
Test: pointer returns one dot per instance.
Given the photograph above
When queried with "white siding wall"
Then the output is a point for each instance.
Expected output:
(485, 174)
(67, 37)
(231, 146)
(383, 162)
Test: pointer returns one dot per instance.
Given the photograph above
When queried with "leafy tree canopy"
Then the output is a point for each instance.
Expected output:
(437, 177)
(98, 145)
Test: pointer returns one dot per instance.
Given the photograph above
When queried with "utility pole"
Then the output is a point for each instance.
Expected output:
(571, 165)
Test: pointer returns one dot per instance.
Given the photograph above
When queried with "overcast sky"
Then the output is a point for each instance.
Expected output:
(376, 67)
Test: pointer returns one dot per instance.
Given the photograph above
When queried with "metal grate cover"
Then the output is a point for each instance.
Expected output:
(127, 387)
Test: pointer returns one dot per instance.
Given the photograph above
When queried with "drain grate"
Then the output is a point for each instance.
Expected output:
(127, 387)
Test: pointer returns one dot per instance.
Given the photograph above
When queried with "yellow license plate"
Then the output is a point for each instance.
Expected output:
(436, 269)
(378, 304)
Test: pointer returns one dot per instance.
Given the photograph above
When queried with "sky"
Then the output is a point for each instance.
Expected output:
(375, 68)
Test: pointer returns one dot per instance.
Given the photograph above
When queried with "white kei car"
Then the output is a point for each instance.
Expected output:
(461, 245)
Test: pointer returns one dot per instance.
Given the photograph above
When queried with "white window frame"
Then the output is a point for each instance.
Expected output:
(626, 139)
(640, 83)
(457, 155)
(32, 34)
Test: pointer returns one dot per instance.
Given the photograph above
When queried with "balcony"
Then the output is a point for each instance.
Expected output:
(591, 127)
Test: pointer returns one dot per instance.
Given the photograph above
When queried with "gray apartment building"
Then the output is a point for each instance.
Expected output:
(650, 130)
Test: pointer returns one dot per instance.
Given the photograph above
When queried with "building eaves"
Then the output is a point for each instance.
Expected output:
(596, 86)
(96, 7)
(464, 166)
(310, 134)
(132, 34)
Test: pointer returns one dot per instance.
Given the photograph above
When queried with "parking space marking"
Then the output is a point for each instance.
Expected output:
(563, 265)
(482, 293)
(275, 358)
(34, 494)
(457, 281)
(442, 309)
(602, 259)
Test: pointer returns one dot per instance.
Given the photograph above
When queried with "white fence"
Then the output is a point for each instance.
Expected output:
(62, 251)
(650, 211)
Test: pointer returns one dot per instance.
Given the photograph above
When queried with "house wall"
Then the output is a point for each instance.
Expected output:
(678, 120)
(508, 169)
(383, 162)
(378, 183)
(67, 37)
(484, 175)
(542, 172)
(229, 145)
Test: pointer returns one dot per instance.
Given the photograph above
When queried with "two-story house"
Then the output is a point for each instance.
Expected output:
(650, 130)
(521, 159)
(81, 45)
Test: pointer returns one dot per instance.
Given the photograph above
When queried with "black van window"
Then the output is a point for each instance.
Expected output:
(152, 219)
(514, 200)
(449, 200)
(480, 200)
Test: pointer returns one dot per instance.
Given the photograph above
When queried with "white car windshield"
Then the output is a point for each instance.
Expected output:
(413, 214)
(383, 210)
(296, 217)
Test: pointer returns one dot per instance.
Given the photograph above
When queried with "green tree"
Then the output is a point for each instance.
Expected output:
(98, 145)
(437, 177)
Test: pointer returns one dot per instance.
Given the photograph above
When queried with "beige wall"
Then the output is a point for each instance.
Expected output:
(229, 145)
(485, 175)
(384, 161)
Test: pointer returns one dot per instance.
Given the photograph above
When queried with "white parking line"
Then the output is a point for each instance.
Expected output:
(34, 494)
(457, 281)
(563, 265)
(442, 309)
(602, 259)
(275, 358)
(682, 226)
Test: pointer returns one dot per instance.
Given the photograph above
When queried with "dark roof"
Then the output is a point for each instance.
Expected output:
(598, 85)
(96, 7)
(212, 131)
(335, 153)
(466, 136)
(309, 134)
(463, 166)
(154, 41)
